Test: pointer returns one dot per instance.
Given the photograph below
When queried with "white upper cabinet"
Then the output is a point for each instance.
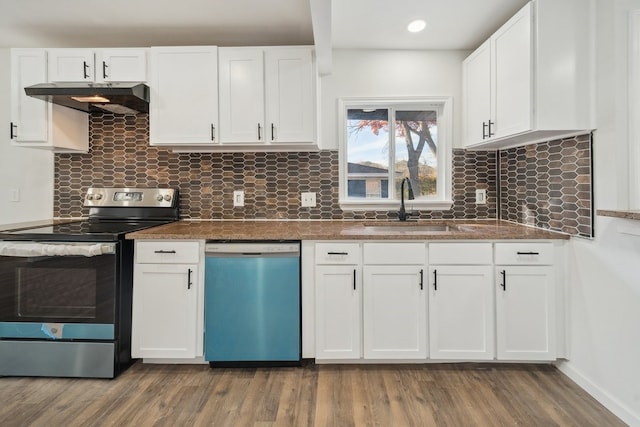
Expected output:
(184, 96)
(531, 81)
(101, 65)
(36, 123)
(121, 65)
(267, 97)
(242, 95)
(289, 95)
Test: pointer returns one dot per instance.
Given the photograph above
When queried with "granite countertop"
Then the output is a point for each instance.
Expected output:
(619, 214)
(343, 230)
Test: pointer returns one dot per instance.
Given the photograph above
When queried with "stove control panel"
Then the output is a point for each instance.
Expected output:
(130, 197)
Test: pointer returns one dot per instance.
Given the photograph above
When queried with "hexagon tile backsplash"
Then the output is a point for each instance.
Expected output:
(120, 155)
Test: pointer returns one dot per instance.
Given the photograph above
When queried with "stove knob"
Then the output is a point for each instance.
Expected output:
(167, 197)
(98, 196)
(89, 196)
(159, 197)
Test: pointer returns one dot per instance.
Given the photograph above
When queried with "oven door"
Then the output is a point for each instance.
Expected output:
(58, 290)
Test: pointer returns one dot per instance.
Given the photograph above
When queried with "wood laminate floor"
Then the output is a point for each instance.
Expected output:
(314, 395)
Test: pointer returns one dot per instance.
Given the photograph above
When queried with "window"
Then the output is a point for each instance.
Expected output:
(384, 141)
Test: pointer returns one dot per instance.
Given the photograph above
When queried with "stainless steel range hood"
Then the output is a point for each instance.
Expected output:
(119, 98)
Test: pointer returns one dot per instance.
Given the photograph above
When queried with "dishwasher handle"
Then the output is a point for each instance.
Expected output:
(258, 249)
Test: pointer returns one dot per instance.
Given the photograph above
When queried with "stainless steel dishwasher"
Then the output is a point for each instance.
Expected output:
(252, 303)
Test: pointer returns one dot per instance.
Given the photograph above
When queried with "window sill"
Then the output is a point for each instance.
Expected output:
(389, 205)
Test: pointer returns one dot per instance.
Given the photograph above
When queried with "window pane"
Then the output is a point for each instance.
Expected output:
(368, 153)
(416, 152)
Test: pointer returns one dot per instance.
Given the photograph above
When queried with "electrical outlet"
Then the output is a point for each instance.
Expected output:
(15, 195)
(481, 196)
(238, 198)
(308, 200)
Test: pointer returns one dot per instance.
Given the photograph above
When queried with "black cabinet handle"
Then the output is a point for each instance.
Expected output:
(165, 252)
(435, 280)
(503, 285)
(104, 70)
(273, 132)
(421, 279)
(11, 128)
(213, 132)
(528, 253)
(354, 279)
(259, 135)
(337, 253)
(484, 130)
(86, 76)
(490, 133)
(189, 283)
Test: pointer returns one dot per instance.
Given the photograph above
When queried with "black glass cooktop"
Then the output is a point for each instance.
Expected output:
(80, 230)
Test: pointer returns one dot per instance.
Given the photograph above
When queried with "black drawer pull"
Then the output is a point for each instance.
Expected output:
(528, 253)
(354, 279)
(435, 280)
(503, 285)
(337, 253)
(189, 282)
(165, 252)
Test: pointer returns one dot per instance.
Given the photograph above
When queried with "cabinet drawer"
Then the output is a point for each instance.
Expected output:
(460, 253)
(337, 253)
(167, 252)
(524, 253)
(395, 253)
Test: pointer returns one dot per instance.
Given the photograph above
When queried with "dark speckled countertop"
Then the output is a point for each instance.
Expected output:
(344, 230)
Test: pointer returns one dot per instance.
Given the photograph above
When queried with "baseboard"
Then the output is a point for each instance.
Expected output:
(619, 409)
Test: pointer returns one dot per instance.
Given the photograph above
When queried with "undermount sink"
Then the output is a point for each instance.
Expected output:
(410, 228)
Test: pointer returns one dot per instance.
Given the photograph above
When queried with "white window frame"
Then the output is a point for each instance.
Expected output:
(443, 104)
(634, 109)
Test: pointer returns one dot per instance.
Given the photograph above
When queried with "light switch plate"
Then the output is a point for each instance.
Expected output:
(481, 196)
(238, 198)
(308, 200)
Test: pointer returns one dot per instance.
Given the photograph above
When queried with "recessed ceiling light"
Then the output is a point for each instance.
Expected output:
(416, 26)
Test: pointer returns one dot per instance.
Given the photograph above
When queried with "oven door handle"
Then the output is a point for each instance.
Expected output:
(40, 249)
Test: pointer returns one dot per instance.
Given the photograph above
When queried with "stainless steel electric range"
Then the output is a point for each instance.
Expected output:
(66, 288)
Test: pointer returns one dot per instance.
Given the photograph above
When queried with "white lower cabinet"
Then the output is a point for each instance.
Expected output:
(394, 312)
(461, 312)
(472, 301)
(525, 313)
(338, 284)
(525, 301)
(394, 301)
(166, 314)
(461, 309)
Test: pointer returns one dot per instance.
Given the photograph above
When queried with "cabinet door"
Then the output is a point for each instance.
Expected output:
(241, 72)
(338, 311)
(476, 80)
(184, 95)
(121, 65)
(512, 77)
(461, 312)
(30, 116)
(395, 312)
(164, 311)
(71, 65)
(525, 313)
(289, 95)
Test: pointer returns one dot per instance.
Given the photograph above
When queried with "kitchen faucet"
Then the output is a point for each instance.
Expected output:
(403, 214)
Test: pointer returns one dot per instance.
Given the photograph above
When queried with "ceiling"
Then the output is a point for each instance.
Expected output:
(366, 24)
(451, 24)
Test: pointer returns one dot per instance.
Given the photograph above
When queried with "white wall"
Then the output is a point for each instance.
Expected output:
(604, 274)
(28, 170)
(389, 73)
